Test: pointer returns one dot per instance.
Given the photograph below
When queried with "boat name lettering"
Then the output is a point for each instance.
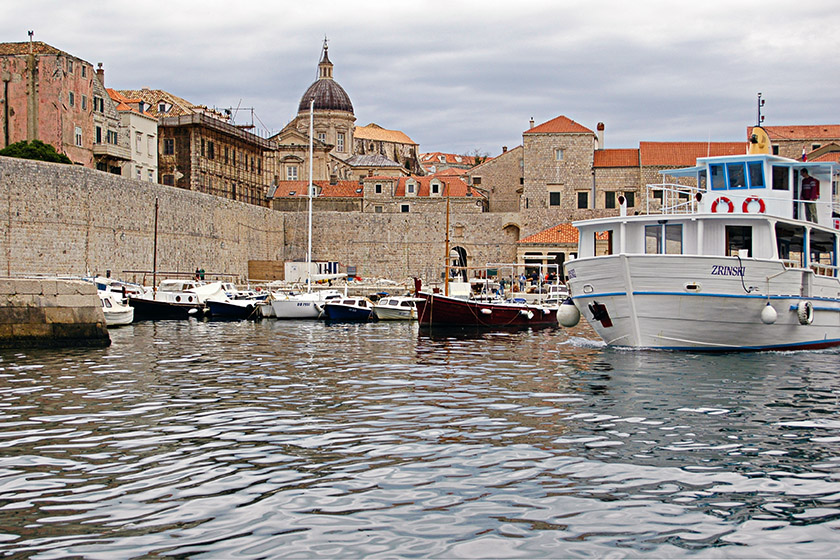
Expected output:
(571, 273)
(721, 270)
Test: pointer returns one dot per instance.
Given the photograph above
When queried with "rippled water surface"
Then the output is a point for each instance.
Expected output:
(301, 439)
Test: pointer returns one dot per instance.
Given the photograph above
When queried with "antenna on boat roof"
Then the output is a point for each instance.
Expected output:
(760, 117)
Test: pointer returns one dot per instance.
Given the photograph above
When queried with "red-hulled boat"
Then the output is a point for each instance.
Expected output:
(442, 310)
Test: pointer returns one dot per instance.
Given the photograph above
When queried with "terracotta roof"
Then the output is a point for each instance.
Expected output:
(345, 189)
(561, 233)
(376, 132)
(560, 125)
(832, 156)
(450, 172)
(453, 186)
(802, 132)
(179, 106)
(23, 48)
(452, 159)
(628, 157)
(682, 154)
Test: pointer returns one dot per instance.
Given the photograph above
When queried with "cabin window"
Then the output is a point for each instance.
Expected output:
(781, 178)
(604, 242)
(718, 177)
(790, 241)
(756, 171)
(823, 251)
(664, 236)
(738, 238)
(737, 175)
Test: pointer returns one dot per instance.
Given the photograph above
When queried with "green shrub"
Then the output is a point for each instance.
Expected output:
(34, 150)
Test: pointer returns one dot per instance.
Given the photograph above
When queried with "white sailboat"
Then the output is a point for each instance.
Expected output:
(308, 305)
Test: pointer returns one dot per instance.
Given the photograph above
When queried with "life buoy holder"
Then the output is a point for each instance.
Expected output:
(745, 208)
(723, 200)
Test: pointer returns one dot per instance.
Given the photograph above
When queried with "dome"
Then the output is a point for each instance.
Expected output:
(329, 96)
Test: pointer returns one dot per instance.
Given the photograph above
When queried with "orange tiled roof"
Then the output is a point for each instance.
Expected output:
(38, 47)
(452, 159)
(561, 233)
(628, 157)
(561, 125)
(450, 172)
(681, 154)
(376, 132)
(801, 132)
(453, 186)
(343, 189)
(831, 156)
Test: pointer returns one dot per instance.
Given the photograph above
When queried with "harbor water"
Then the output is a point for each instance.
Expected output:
(274, 439)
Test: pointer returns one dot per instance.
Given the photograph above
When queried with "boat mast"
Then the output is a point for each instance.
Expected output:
(309, 244)
(446, 278)
(154, 251)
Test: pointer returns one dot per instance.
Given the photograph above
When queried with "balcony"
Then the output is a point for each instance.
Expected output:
(112, 151)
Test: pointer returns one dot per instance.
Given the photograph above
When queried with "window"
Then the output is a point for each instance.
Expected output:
(781, 178)
(558, 154)
(583, 199)
(738, 238)
(84, 71)
(476, 181)
(112, 137)
(139, 174)
(211, 150)
(168, 146)
(718, 177)
(814, 147)
(630, 197)
(435, 188)
(554, 198)
(663, 236)
(71, 99)
(151, 176)
(737, 175)
(377, 188)
(291, 172)
(791, 244)
(98, 104)
(756, 173)
(78, 136)
(69, 66)
(603, 242)
(377, 209)
(340, 143)
(138, 142)
(84, 101)
(98, 134)
(259, 165)
(232, 157)
(163, 107)
(609, 199)
(322, 136)
(169, 180)
(404, 208)
(409, 188)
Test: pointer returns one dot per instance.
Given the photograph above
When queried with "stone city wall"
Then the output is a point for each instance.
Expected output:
(68, 220)
(50, 313)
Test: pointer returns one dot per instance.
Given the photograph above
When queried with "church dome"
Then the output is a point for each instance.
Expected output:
(328, 95)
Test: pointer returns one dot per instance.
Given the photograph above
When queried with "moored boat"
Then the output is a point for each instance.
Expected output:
(396, 308)
(353, 309)
(116, 313)
(731, 264)
(174, 299)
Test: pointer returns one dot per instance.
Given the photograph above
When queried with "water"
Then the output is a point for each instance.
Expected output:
(304, 440)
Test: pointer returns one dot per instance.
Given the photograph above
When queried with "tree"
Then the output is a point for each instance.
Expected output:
(34, 150)
(478, 156)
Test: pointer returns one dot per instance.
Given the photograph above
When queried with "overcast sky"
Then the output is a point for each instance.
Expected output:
(460, 76)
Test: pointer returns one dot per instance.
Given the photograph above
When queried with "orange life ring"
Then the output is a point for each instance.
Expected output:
(723, 200)
(745, 206)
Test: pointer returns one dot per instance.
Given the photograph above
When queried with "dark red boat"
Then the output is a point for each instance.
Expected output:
(438, 309)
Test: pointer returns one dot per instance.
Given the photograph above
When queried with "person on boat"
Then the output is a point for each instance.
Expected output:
(810, 192)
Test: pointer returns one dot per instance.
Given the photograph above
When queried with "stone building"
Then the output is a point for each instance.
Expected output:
(392, 144)
(501, 179)
(794, 141)
(435, 162)
(55, 97)
(142, 133)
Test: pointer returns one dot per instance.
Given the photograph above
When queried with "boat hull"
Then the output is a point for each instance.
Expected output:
(232, 310)
(148, 309)
(347, 313)
(682, 303)
(436, 309)
(296, 309)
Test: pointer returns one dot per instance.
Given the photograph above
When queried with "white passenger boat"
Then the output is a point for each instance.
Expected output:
(730, 264)
(307, 305)
(396, 308)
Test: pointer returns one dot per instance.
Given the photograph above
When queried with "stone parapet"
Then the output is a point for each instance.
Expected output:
(50, 313)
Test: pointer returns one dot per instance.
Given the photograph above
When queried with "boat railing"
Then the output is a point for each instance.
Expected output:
(674, 198)
(824, 269)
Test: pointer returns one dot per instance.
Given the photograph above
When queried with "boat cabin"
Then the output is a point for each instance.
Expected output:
(747, 206)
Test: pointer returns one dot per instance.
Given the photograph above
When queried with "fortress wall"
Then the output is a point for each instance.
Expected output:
(69, 220)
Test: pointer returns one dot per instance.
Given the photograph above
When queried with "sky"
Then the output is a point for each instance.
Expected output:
(467, 76)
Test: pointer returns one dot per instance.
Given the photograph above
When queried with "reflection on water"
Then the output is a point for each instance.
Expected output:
(275, 438)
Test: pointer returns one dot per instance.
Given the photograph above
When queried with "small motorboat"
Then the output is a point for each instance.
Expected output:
(396, 308)
(175, 299)
(116, 313)
(358, 309)
(233, 308)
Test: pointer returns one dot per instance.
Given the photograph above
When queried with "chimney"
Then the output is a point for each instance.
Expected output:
(504, 149)
(600, 136)
(100, 73)
(532, 122)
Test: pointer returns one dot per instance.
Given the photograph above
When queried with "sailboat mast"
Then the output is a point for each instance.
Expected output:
(446, 279)
(309, 243)
(154, 251)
